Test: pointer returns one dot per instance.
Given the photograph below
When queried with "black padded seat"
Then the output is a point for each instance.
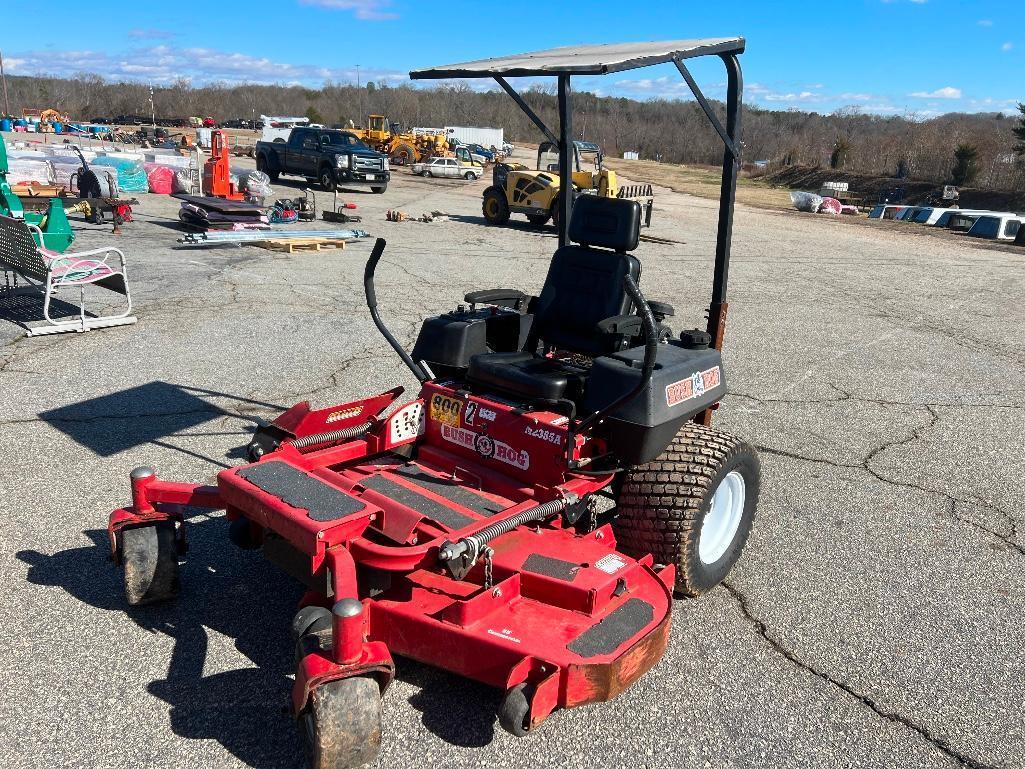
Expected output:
(584, 286)
(528, 376)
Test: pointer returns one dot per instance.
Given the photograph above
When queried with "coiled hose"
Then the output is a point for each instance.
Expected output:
(472, 546)
(346, 433)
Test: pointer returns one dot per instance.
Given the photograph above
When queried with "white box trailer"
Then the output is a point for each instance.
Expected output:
(485, 137)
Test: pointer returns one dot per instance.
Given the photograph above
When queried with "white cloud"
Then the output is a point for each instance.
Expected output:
(985, 22)
(949, 92)
(369, 10)
(163, 64)
(1007, 46)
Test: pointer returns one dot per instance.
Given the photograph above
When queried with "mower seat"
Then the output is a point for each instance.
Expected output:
(584, 286)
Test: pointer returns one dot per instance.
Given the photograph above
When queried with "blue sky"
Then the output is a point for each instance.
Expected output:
(923, 57)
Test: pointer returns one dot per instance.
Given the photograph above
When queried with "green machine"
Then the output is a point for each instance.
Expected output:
(54, 224)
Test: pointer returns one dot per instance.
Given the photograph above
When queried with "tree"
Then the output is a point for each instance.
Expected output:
(1019, 131)
(313, 115)
(841, 149)
(966, 166)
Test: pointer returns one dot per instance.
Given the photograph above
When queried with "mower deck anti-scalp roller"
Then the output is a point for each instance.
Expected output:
(527, 518)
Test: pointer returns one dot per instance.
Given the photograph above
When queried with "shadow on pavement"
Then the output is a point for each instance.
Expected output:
(246, 710)
(148, 413)
(243, 597)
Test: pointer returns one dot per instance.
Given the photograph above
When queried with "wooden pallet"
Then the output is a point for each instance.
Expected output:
(291, 245)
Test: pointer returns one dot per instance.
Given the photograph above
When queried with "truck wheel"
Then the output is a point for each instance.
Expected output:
(692, 507)
(261, 165)
(341, 726)
(149, 555)
(494, 207)
(379, 190)
(538, 220)
(327, 179)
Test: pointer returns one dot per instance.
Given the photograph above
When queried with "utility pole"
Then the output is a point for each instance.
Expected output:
(3, 77)
(152, 111)
(359, 96)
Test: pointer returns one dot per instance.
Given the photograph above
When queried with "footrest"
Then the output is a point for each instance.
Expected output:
(302, 490)
(306, 509)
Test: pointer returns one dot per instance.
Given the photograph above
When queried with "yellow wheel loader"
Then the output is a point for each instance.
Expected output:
(402, 148)
(516, 189)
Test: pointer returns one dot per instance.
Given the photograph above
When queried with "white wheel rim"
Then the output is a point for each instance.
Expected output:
(723, 519)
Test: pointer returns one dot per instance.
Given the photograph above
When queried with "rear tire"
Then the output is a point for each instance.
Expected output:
(379, 190)
(149, 555)
(538, 220)
(494, 206)
(692, 507)
(341, 726)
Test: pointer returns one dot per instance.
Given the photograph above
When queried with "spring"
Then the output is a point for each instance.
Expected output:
(335, 435)
(475, 543)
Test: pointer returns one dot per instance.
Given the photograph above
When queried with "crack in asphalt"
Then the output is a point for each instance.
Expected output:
(1009, 539)
(940, 743)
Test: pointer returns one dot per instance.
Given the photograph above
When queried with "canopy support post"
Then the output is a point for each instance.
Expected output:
(566, 148)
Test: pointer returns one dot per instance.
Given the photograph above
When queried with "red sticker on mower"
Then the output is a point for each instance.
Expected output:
(693, 386)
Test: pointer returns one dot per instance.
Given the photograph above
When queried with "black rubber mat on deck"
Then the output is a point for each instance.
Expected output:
(609, 634)
(301, 490)
(461, 495)
(430, 508)
(555, 568)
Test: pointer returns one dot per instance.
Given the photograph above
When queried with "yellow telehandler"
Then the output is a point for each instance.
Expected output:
(516, 189)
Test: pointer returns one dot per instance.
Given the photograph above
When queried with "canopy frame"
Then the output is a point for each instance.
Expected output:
(592, 61)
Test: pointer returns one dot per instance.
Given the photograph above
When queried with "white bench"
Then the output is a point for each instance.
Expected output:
(51, 271)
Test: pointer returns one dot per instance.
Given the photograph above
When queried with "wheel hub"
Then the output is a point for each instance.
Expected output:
(723, 518)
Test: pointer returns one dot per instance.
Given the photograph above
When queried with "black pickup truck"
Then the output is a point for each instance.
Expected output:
(333, 158)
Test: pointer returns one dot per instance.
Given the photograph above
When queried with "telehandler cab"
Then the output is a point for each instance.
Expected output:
(526, 519)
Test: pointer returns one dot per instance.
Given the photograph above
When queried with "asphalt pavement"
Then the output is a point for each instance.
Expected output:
(875, 619)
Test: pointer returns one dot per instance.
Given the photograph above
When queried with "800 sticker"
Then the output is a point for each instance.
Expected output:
(446, 410)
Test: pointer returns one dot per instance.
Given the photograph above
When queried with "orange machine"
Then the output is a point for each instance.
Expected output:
(217, 171)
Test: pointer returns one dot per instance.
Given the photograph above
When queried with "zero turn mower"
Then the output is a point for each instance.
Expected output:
(526, 519)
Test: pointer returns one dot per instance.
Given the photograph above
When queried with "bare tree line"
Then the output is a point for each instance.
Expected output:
(675, 130)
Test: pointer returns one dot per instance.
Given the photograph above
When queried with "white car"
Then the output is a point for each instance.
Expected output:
(448, 167)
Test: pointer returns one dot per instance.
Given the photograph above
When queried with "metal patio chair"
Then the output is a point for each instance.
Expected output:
(50, 272)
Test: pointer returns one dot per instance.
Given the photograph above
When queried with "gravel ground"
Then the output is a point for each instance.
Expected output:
(874, 620)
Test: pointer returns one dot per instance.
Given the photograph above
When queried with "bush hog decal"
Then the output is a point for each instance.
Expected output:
(486, 446)
(446, 410)
(692, 386)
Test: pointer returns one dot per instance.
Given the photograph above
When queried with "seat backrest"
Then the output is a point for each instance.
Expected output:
(584, 283)
(18, 250)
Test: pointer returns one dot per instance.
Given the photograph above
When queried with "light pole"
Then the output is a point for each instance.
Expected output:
(359, 96)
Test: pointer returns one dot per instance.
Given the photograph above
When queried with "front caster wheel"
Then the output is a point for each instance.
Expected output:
(149, 555)
(514, 712)
(341, 726)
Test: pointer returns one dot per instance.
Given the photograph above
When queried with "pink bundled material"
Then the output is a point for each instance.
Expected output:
(830, 206)
(160, 178)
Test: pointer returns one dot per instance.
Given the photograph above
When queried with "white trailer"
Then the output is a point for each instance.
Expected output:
(278, 128)
(485, 137)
